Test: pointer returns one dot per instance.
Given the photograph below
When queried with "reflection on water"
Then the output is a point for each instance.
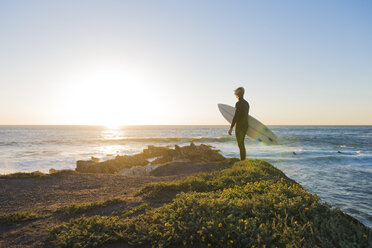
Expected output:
(113, 132)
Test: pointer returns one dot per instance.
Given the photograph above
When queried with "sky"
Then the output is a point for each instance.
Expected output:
(170, 62)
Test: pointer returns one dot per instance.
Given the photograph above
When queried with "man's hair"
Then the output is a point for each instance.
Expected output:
(239, 91)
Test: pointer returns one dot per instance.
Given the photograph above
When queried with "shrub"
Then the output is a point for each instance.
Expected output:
(86, 232)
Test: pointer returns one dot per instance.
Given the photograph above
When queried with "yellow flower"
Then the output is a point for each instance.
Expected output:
(211, 235)
(231, 241)
(170, 237)
(166, 224)
(184, 243)
(203, 238)
(364, 236)
(306, 209)
(219, 224)
(209, 245)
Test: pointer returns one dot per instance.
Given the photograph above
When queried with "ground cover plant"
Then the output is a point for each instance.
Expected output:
(20, 175)
(37, 174)
(250, 204)
(80, 208)
(238, 175)
(18, 217)
(133, 210)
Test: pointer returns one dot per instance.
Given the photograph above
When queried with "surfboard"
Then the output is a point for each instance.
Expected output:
(256, 130)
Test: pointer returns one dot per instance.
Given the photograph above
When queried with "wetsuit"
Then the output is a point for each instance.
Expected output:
(241, 121)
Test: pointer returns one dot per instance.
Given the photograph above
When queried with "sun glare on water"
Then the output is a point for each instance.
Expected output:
(113, 126)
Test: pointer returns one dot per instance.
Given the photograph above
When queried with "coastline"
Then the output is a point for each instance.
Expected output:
(64, 198)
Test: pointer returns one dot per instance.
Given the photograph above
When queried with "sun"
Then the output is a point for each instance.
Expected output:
(112, 98)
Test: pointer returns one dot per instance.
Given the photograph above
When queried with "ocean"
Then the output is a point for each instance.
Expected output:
(334, 162)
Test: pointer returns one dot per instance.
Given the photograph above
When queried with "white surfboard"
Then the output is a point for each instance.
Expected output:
(256, 130)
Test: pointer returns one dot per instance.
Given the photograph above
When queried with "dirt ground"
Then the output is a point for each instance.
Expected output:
(44, 194)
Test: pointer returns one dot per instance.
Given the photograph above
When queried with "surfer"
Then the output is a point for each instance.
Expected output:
(241, 120)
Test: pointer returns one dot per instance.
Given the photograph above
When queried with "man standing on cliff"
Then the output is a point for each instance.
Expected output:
(241, 120)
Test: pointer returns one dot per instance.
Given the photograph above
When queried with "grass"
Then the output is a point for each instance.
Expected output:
(70, 211)
(80, 208)
(21, 175)
(37, 174)
(18, 217)
(133, 211)
(238, 175)
(251, 204)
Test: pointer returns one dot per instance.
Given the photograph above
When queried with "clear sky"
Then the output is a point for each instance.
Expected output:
(171, 62)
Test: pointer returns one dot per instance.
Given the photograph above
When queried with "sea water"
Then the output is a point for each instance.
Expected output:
(334, 162)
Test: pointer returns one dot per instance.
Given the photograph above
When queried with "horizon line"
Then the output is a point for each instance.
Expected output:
(144, 125)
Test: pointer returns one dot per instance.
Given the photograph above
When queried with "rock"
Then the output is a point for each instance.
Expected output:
(95, 159)
(86, 166)
(139, 170)
(201, 153)
(162, 155)
(155, 151)
(110, 166)
(210, 154)
(162, 160)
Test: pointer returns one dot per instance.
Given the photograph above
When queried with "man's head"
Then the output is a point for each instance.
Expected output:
(239, 92)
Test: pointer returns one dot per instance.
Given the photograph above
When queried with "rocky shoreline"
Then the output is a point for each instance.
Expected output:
(172, 193)
(150, 159)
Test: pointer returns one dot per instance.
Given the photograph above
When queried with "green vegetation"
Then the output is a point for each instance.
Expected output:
(80, 208)
(21, 175)
(18, 217)
(86, 232)
(250, 204)
(133, 211)
(238, 175)
(37, 174)
(54, 172)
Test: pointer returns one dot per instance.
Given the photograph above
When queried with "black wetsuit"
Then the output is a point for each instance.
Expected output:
(241, 120)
